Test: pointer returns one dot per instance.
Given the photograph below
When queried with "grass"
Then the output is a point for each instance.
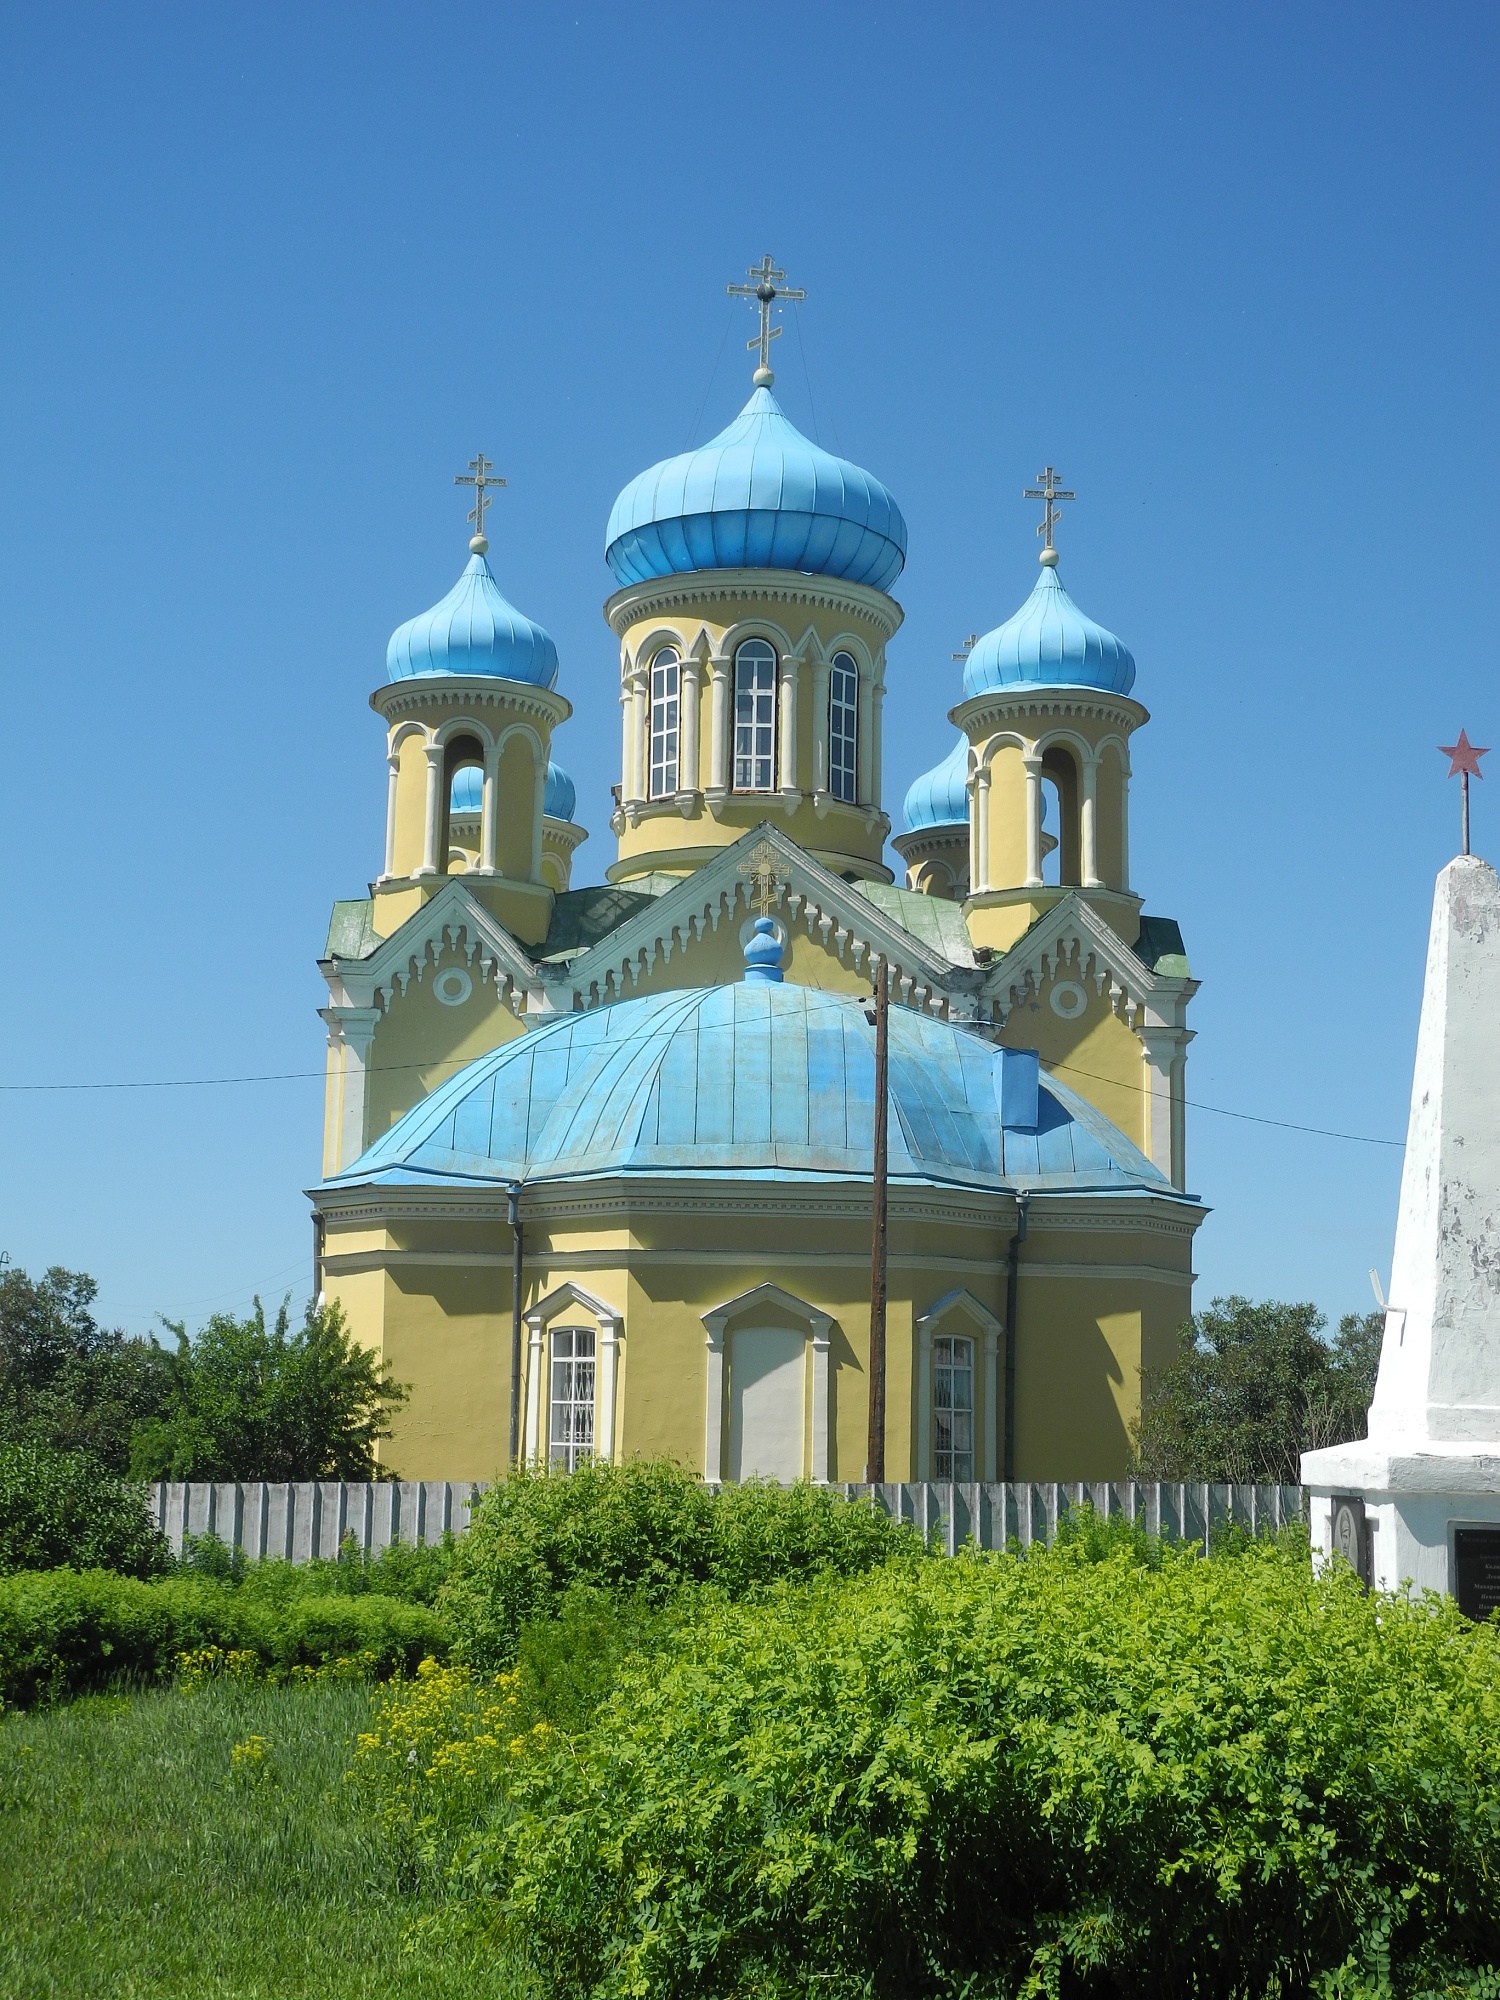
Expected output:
(139, 1857)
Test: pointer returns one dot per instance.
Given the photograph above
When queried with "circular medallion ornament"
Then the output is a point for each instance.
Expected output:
(1068, 999)
(453, 987)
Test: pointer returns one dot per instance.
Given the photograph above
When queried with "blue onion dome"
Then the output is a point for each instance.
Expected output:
(473, 631)
(560, 799)
(467, 795)
(758, 496)
(940, 797)
(1049, 643)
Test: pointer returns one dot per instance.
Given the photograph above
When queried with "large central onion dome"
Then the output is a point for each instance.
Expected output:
(758, 496)
(1049, 643)
(473, 631)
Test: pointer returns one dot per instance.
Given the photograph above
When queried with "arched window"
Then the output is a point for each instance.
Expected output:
(666, 680)
(843, 728)
(1060, 791)
(755, 717)
(953, 1409)
(570, 1431)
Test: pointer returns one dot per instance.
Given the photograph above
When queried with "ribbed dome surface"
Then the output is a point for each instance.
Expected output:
(1049, 643)
(758, 496)
(473, 631)
(756, 1080)
(559, 801)
(940, 796)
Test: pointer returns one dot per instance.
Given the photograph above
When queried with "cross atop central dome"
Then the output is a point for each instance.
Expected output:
(758, 496)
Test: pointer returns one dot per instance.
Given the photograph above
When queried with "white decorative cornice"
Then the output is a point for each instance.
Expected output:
(1006, 705)
(453, 693)
(451, 921)
(762, 586)
(1072, 937)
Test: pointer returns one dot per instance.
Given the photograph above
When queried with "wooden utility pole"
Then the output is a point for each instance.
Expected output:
(875, 1452)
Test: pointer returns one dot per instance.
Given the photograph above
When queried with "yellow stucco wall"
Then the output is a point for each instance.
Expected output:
(1086, 1324)
(419, 1043)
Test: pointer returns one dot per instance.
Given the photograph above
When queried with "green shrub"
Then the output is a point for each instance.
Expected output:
(412, 1572)
(997, 1777)
(644, 1528)
(569, 1663)
(63, 1507)
(64, 1631)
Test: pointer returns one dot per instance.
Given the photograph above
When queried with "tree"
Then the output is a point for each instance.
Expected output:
(66, 1382)
(252, 1401)
(1254, 1386)
(64, 1508)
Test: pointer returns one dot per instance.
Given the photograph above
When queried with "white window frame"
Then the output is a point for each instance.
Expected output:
(572, 1388)
(755, 687)
(952, 1419)
(843, 728)
(665, 695)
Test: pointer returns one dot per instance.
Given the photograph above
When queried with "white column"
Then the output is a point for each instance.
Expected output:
(1089, 842)
(433, 827)
(924, 1400)
(989, 1456)
(820, 727)
(787, 718)
(351, 1030)
(394, 761)
(625, 722)
(979, 858)
(609, 1367)
(1124, 828)
(639, 761)
(536, 1374)
(1033, 822)
(877, 705)
(713, 1414)
(718, 737)
(1160, 1050)
(489, 813)
(822, 1469)
(866, 740)
(689, 696)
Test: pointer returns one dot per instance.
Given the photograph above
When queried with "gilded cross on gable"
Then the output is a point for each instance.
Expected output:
(1047, 489)
(769, 286)
(765, 885)
(481, 475)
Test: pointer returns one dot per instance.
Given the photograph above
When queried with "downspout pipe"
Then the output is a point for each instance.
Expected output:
(517, 1279)
(1012, 1297)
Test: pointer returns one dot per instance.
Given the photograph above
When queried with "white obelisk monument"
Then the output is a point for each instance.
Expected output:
(1419, 1500)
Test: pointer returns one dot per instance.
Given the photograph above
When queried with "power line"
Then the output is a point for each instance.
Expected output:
(1248, 1117)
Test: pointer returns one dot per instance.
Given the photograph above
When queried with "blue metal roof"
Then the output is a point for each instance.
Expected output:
(473, 631)
(940, 796)
(757, 1080)
(758, 496)
(1049, 643)
(559, 801)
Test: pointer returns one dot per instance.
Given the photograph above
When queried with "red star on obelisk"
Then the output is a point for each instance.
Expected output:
(1463, 762)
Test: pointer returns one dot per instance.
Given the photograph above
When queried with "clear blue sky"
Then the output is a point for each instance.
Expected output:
(272, 275)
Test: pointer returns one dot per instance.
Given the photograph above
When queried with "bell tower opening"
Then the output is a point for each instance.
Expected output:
(1059, 791)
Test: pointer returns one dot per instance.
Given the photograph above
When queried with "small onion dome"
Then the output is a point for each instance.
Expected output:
(473, 631)
(561, 796)
(940, 797)
(1049, 643)
(758, 496)
(467, 795)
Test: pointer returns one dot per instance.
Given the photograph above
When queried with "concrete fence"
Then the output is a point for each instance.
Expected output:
(312, 1518)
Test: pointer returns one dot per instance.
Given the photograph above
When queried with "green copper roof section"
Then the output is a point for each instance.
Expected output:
(1160, 948)
(932, 921)
(581, 917)
(351, 930)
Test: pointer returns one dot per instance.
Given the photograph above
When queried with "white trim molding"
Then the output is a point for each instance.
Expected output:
(820, 1327)
(611, 1329)
(989, 1328)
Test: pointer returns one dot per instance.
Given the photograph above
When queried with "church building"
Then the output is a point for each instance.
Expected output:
(646, 1104)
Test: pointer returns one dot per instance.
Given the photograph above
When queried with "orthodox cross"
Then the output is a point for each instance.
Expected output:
(769, 286)
(764, 885)
(968, 646)
(1463, 762)
(1048, 489)
(481, 475)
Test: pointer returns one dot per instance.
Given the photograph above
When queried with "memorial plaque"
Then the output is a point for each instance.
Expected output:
(1476, 1571)
(1351, 1535)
